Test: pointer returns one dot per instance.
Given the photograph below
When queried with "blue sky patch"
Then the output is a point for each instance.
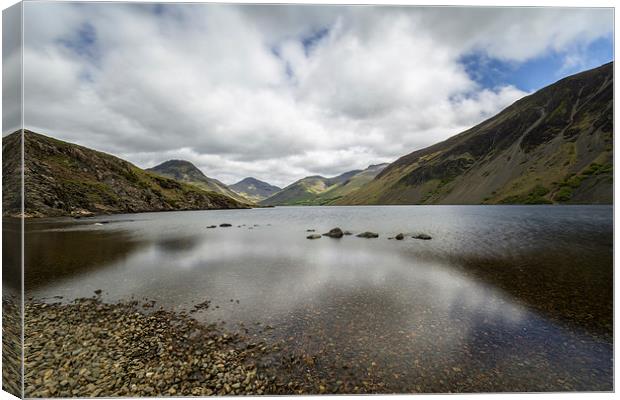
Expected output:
(539, 72)
(83, 42)
(309, 42)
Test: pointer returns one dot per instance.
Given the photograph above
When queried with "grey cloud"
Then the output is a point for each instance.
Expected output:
(202, 82)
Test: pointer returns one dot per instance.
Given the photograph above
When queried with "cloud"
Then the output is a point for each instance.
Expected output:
(276, 92)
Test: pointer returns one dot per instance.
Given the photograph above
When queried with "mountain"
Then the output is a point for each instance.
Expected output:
(554, 146)
(317, 190)
(66, 179)
(254, 189)
(185, 171)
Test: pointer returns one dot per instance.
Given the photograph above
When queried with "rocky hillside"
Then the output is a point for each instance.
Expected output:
(254, 189)
(66, 179)
(317, 190)
(185, 171)
(554, 146)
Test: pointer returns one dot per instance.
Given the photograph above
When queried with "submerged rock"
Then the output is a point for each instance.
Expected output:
(334, 233)
(314, 236)
(309, 230)
(400, 236)
(422, 236)
(211, 226)
(368, 235)
(225, 225)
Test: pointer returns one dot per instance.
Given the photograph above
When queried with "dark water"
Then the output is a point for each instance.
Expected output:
(503, 298)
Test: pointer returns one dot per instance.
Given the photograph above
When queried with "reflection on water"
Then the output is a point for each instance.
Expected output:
(503, 298)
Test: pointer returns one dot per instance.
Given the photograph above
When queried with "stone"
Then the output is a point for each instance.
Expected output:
(422, 236)
(334, 233)
(368, 235)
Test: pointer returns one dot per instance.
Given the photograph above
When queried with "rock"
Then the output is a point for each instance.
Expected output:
(347, 233)
(422, 236)
(309, 230)
(368, 235)
(225, 225)
(400, 236)
(98, 291)
(313, 236)
(211, 226)
(116, 349)
(334, 233)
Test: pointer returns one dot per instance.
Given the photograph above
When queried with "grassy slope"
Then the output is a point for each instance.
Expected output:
(254, 189)
(554, 146)
(186, 172)
(66, 179)
(317, 190)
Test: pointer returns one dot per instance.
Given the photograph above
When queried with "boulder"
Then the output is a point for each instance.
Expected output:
(368, 235)
(347, 233)
(400, 236)
(422, 236)
(211, 226)
(313, 236)
(225, 225)
(334, 233)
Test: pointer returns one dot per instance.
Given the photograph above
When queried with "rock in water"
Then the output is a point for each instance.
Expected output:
(368, 235)
(313, 236)
(422, 236)
(400, 236)
(225, 225)
(347, 233)
(211, 226)
(334, 233)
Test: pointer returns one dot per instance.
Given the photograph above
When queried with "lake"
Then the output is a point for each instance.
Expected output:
(503, 298)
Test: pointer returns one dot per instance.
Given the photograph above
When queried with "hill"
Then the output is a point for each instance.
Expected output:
(64, 179)
(185, 171)
(554, 146)
(253, 189)
(318, 190)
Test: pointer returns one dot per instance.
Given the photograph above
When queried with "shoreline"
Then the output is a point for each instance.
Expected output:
(88, 348)
(32, 217)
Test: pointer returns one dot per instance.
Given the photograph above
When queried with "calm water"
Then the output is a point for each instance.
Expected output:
(503, 298)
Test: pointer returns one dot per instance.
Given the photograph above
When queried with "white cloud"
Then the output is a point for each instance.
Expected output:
(234, 90)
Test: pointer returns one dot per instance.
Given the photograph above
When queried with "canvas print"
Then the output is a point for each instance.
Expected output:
(227, 199)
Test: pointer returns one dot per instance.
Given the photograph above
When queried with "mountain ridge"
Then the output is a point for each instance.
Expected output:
(66, 179)
(185, 171)
(319, 190)
(553, 146)
(254, 189)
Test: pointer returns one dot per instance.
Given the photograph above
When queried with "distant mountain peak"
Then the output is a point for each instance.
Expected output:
(185, 171)
(254, 189)
(318, 190)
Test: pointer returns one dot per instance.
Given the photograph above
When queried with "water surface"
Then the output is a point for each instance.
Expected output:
(503, 298)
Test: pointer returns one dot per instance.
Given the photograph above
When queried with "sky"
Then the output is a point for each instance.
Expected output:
(282, 92)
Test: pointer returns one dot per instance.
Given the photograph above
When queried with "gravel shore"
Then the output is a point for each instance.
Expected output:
(88, 348)
(11, 342)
